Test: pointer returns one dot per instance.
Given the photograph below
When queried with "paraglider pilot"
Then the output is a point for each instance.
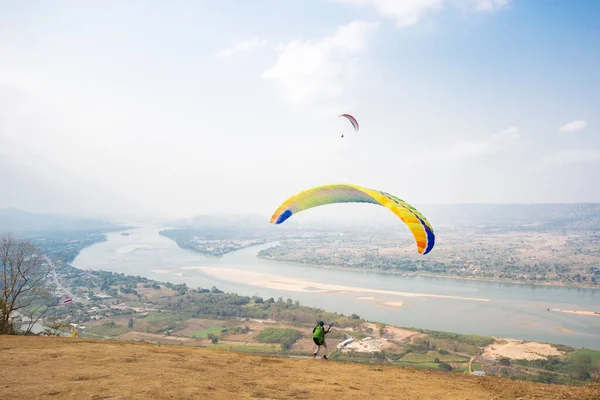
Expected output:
(319, 333)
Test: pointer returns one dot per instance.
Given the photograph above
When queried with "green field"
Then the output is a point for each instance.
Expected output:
(156, 318)
(163, 320)
(425, 365)
(593, 354)
(455, 346)
(431, 356)
(203, 333)
(476, 367)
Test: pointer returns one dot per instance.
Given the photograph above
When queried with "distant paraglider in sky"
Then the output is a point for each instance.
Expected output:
(342, 193)
(352, 120)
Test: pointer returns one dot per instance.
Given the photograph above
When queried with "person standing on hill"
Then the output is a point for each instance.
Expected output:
(319, 333)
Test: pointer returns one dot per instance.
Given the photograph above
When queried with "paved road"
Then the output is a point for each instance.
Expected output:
(64, 291)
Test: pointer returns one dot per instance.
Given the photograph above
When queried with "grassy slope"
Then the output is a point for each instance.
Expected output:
(61, 368)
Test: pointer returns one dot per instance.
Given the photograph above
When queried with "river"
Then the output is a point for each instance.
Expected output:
(470, 307)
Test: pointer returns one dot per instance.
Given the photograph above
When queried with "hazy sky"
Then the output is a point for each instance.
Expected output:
(181, 108)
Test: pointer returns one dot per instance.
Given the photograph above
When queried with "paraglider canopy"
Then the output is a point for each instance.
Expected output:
(342, 193)
(352, 120)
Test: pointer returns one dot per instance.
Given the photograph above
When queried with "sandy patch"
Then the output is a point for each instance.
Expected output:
(527, 324)
(577, 312)
(563, 330)
(277, 282)
(265, 321)
(366, 298)
(178, 339)
(162, 271)
(368, 345)
(181, 274)
(390, 304)
(520, 350)
(390, 332)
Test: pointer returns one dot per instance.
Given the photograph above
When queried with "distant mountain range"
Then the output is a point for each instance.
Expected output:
(223, 221)
(529, 216)
(583, 216)
(579, 216)
(18, 221)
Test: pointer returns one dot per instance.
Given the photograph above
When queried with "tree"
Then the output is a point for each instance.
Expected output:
(55, 327)
(580, 367)
(214, 339)
(130, 324)
(445, 367)
(504, 361)
(20, 281)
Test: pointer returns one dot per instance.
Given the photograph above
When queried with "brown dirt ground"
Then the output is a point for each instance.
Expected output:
(307, 345)
(196, 324)
(391, 332)
(154, 337)
(257, 327)
(154, 294)
(66, 368)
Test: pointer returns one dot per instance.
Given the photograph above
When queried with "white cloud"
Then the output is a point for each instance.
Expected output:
(579, 156)
(306, 70)
(405, 12)
(490, 5)
(495, 143)
(481, 5)
(243, 46)
(409, 12)
(574, 126)
(507, 134)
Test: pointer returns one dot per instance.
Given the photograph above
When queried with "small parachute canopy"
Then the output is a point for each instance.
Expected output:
(342, 193)
(352, 120)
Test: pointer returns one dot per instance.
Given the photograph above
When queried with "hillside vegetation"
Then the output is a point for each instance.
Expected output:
(66, 368)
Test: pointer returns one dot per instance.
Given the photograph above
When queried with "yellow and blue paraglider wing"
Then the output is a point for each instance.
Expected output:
(329, 194)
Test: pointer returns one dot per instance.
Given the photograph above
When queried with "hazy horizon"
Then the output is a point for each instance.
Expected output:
(174, 110)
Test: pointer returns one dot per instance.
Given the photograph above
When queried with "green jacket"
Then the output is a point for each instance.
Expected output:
(319, 333)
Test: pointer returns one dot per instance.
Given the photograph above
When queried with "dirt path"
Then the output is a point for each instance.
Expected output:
(471, 362)
(66, 368)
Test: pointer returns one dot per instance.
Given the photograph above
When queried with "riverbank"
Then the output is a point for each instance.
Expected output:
(576, 312)
(407, 274)
(277, 282)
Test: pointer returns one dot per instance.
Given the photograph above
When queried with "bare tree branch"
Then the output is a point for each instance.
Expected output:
(22, 273)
